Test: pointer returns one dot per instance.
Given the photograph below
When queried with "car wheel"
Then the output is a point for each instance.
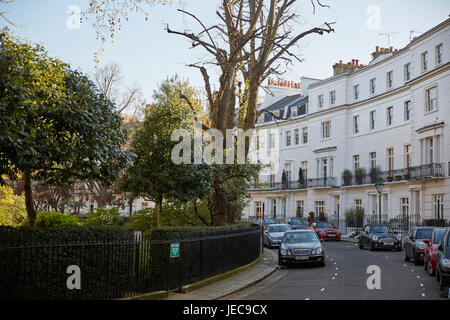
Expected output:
(322, 263)
(438, 275)
(361, 246)
(417, 260)
(371, 246)
(406, 256)
(280, 262)
(429, 268)
(441, 283)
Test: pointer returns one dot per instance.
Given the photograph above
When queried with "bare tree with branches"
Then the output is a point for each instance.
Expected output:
(3, 13)
(109, 79)
(253, 40)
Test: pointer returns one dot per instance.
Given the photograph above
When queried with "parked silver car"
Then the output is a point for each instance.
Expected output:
(273, 234)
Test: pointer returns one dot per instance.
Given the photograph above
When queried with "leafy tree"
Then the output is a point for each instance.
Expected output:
(55, 125)
(12, 207)
(153, 175)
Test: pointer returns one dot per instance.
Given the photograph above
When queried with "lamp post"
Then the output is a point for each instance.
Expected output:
(379, 186)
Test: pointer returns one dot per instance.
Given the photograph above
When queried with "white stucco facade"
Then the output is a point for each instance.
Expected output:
(401, 128)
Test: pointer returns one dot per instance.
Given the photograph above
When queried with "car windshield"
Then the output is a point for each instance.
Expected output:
(299, 221)
(269, 221)
(324, 225)
(424, 233)
(299, 237)
(283, 228)
(438, 236)
(380, 229)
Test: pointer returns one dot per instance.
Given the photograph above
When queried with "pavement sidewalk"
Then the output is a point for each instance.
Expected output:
(265, 267)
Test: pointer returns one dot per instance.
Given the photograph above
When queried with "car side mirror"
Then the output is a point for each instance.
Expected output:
(440, 248)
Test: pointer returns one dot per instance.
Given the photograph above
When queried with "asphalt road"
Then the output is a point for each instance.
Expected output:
(345, 277)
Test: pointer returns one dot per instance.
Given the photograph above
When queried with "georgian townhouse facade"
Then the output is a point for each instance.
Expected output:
(386, 120)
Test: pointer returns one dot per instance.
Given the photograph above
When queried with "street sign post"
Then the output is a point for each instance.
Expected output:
(174, 250)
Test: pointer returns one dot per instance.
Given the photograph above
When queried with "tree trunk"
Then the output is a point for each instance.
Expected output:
(31, 211)
(218, 201)
(159, 212)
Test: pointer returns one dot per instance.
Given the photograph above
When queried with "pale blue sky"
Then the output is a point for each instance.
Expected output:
(147, 54)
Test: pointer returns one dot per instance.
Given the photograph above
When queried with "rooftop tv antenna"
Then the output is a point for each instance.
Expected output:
(411, 32)
(388, 35)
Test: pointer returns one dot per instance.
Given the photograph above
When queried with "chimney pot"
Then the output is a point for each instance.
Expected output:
(377, 49)
(390, 49)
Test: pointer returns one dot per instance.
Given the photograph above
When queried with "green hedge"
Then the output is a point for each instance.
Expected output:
(34, 261)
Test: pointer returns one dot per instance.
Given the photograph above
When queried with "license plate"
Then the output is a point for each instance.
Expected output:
(331, 235)
(302, 258)
(388, 244)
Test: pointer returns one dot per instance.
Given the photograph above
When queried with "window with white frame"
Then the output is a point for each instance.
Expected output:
(356, 92)
(297, 136)
(407, 71)
(373, 159)
(305, 169)
(300, 209)
(288, 138)
(356, 124)
(389, 79)
(389, 116)
(438, 206)
(320, 101)
(332, 97)
(390, 159)
(319, 207)
(404, 207)
(355, 162)
(407, 107)
(424, 59)
(407, 156)
(358, 204)
(439, 54)
(326, 129)
(258, 208)
(429, 150)
(288, 170)
(305, 135)
(373, 85)
(431, 99)
(373, 118)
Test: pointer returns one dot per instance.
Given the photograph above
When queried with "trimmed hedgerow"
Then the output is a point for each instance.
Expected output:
(34, 262)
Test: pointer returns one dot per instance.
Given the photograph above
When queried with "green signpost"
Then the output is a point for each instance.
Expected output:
(174, 250)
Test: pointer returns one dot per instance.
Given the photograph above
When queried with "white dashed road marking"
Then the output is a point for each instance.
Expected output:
(322, 290)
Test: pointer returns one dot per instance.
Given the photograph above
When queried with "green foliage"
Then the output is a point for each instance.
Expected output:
(346, 173)
(173, 215)
(104, 217)
(322, 216)
(360, 171)
(54, 122)
(53, 219)
(153, 174)
(354, 217)
(38, 270)
(12, 208)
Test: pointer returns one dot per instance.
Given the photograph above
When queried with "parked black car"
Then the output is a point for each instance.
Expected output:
(443, 261)
(298, 223)
(414, 246)
(301, 246)
(379, 236)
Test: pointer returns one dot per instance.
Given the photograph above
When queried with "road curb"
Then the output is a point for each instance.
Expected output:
(349, 239)
(203, 283)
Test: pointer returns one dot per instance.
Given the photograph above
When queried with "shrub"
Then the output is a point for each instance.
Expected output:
(53, 219)
(38, 268)
(103, 217)
(322, 216)
(12, 208)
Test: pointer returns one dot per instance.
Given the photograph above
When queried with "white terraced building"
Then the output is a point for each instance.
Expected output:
(392, 114)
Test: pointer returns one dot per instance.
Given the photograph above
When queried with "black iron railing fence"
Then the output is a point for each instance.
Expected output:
(123, 267)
